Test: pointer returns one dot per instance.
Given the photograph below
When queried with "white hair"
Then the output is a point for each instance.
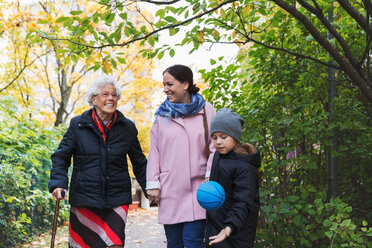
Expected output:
(95, 86)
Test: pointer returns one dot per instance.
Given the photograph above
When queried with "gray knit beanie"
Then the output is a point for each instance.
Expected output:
(228, 122)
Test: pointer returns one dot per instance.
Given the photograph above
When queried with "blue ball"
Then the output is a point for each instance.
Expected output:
(210, 195)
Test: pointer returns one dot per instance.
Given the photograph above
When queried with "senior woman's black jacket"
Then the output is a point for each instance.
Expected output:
(100, 175)
(238, 175)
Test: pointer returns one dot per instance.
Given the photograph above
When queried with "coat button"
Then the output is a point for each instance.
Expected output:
(108, 149)
(107, 177)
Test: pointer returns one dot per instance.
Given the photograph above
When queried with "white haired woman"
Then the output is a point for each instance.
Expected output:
(99, 141)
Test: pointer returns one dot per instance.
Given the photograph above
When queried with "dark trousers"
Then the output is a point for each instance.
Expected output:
(186, 234)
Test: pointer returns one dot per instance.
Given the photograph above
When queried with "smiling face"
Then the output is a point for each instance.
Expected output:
(223, 143)
(175, 90)
(105, 102)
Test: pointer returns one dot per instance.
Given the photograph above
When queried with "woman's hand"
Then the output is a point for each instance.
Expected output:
(154, 195)
(206, 180)
(221, 236)
(57, 194)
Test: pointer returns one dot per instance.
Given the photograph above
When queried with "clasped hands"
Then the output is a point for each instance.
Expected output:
(153, 195)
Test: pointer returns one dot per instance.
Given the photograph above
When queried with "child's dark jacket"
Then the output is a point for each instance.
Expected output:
(239, 177)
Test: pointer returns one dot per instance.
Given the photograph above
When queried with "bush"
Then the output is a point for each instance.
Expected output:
(26, 206)
(293, 222)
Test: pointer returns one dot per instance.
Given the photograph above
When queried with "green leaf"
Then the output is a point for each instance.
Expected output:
(123, 15)
(43, 22)
(110, 18)
(160, 13)
(121, 60)
(173, 31)
(329, 234)
(151, 40)
(327, 223)
(107, 37)
(212, 61)
(96, 17)
(170, 19)
(172, 52)
(161, 55)
(73, 57)
(68, 22)
(76, 12)
(61, 19)
(44, 34)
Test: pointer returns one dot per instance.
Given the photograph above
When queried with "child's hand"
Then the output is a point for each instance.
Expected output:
(221, 236)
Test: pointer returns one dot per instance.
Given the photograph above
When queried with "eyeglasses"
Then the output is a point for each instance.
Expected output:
(106, 95)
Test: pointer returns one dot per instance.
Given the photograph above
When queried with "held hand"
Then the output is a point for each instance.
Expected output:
(58, 195)
(206, 180)
(154, 195)
(221, 236)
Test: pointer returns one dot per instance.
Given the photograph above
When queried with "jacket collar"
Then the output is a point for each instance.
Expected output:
(253, 159)
(87, 120)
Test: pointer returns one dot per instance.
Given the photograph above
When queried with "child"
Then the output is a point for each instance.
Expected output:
(235, 168)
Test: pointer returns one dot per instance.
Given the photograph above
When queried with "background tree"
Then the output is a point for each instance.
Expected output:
(41, 88)
(63, 76)
(286, 113)
(275, 24)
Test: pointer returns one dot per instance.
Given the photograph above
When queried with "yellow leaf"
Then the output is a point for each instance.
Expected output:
(250, 27)
(284, 12)
(222, 13)
(234, 34)
(246, 10)
(201, 36)
(107, 66)
(237, 42)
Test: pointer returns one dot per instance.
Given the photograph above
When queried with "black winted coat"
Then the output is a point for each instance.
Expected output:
(238, 175)
(100, 175)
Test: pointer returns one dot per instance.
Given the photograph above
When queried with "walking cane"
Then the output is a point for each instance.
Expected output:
(55, 220)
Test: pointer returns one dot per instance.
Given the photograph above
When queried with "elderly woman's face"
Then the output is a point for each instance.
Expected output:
(106, 101)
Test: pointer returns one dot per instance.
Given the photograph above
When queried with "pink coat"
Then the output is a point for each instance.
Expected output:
(177, 165)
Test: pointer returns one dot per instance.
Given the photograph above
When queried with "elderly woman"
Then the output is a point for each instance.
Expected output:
(99, 141)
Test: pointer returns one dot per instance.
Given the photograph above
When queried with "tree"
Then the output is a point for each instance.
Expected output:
(274, 24)
(61, 76)
(285, 110)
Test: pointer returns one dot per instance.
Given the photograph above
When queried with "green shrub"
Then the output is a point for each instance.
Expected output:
(26, 206)
(294, 222)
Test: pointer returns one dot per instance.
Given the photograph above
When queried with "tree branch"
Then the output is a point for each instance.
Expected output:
(249, 39)
(363, 83)
(21, 71)
(139, 38)
(159, 2)
(358, 17)
(348, 54)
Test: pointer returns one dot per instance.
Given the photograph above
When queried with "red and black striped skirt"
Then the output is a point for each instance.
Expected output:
(97, 228)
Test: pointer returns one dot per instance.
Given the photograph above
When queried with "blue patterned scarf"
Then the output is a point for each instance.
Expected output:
(175, 110)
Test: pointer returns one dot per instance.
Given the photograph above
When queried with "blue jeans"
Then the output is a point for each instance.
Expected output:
(186, 234)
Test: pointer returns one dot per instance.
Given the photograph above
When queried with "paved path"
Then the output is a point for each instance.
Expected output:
(143, 230)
